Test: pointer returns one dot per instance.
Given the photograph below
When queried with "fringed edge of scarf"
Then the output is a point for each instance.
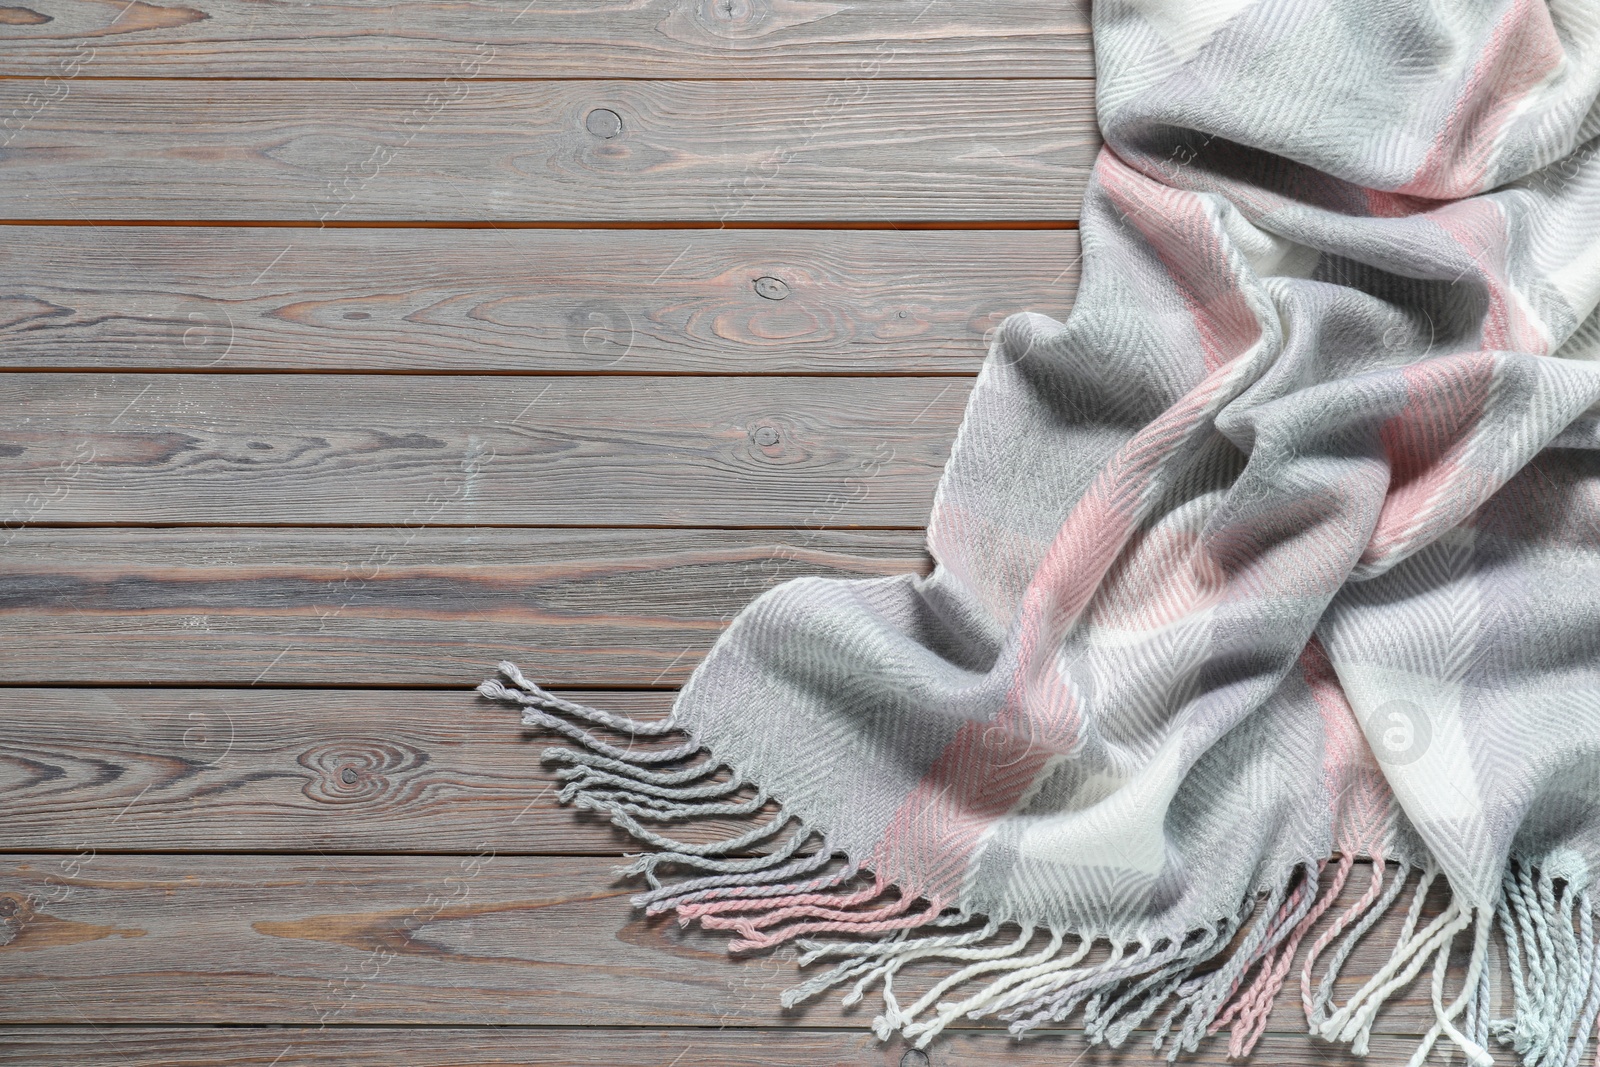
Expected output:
(1225, 975)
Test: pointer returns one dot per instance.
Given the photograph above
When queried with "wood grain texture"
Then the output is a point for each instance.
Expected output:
(573, 39)
(607, 1047)
(549, 151)
(590, 301)
(420, 450)
(479, 939)
(318, 771)
(397, 606)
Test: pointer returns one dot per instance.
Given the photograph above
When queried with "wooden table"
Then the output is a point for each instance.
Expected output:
(351, 347)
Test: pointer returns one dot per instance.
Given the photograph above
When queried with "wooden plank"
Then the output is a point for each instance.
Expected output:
(596, 301)
(479, 940)
(575, 39)
(422, 450)
(715, 151)
(73, 1046)
(291, 771)
(396, 606)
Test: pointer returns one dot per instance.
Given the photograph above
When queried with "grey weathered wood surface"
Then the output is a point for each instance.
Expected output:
(582, 301)
(418, 450)
(575, 39)
(397, 606)
(476, 939)
(712, 151)
(607, 1047)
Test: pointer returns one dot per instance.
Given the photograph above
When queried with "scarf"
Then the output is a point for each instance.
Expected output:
(1282, 551)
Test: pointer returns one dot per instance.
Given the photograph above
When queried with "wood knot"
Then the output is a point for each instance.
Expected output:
(603, 123)
(772, 288)
(765, 436)
(731, 18)
(356, 771)
(914, 1057)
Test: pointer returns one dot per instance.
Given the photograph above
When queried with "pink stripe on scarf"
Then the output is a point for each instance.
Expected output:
(1479, 227)
(988, 766)
(1360, 796)
(1183, 232)
(1521, 52)
(1431, 487)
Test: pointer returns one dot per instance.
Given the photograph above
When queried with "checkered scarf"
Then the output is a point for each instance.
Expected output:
(1283, 550)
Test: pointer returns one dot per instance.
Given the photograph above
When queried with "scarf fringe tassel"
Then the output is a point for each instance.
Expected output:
(1225, 976)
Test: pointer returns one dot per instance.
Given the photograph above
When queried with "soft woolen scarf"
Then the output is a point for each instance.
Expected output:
(1282, 551)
